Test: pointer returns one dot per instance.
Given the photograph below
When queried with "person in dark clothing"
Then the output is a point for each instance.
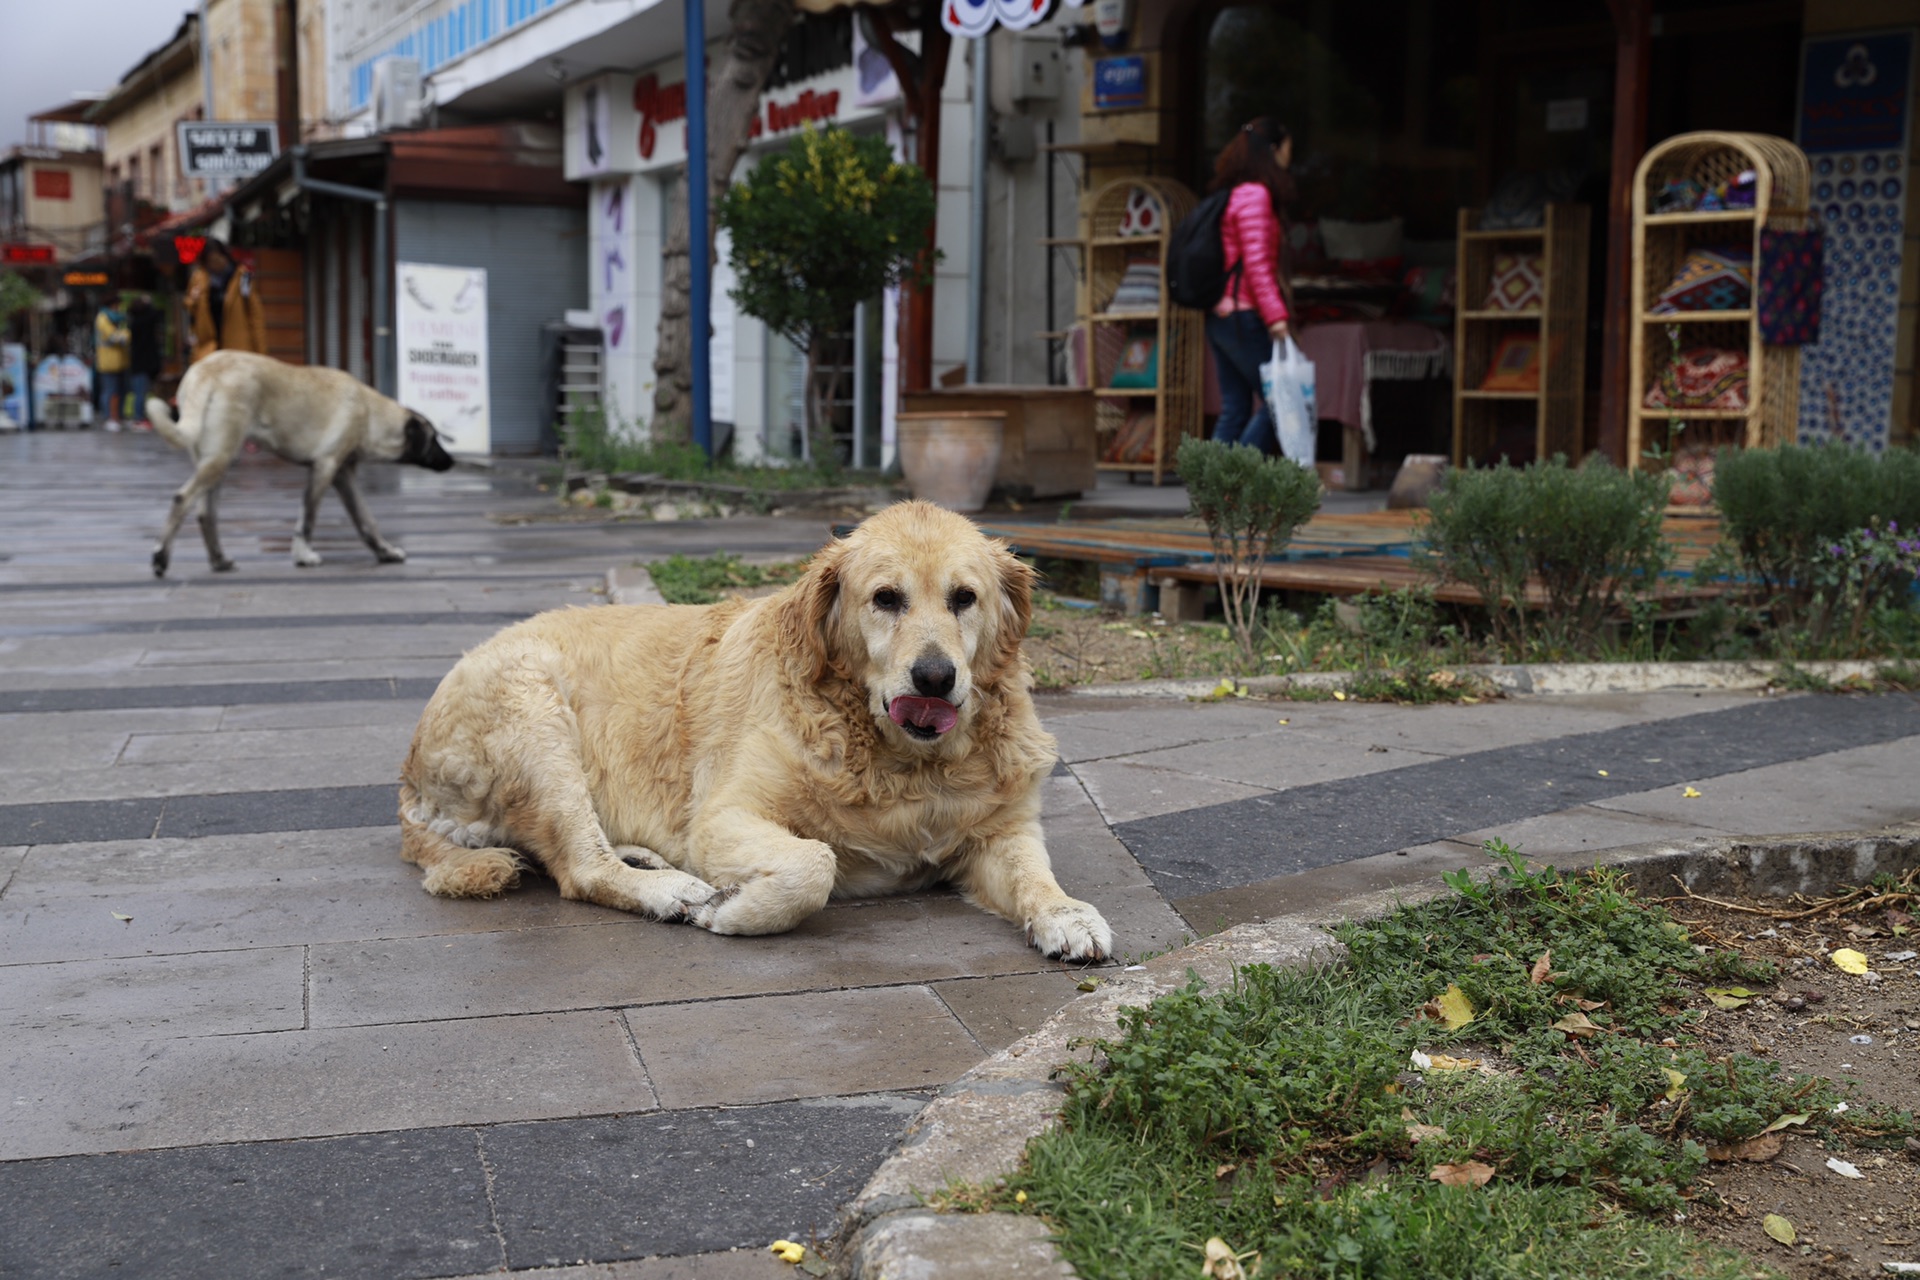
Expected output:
(143, 319)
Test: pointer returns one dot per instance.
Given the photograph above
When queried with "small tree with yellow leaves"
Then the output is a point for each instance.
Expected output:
(819, 228)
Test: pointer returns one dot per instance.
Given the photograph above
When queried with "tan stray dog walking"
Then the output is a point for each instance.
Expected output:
(868, 730)
(325, 418)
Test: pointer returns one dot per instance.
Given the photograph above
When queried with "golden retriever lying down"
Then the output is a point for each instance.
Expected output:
(868, 730)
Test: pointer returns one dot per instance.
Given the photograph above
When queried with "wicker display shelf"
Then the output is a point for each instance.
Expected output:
(1661, 242)
(1549, 417)
(1175, 398)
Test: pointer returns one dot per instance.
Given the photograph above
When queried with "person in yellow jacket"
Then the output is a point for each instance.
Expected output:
(223, 305)
(112, 341)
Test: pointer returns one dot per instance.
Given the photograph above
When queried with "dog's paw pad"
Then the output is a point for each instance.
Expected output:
(1071, 931)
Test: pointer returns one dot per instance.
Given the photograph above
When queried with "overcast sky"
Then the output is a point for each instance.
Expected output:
(53, 49)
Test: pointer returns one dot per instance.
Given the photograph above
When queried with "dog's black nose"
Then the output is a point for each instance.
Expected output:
(933, 677)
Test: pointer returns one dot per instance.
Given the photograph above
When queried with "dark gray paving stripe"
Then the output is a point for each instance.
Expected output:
(185, 817)
(403, 688)
(415, 1203)
(1240, 842)
(393, 1204)
(166, 626)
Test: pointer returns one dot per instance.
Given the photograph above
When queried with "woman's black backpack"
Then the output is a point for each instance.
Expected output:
(1196, 260)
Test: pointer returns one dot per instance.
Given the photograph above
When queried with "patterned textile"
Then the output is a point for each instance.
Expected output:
(1515, 365)
(1139, 288)
(1703, 378)
(1792, 271)
(1429, 295)
(1139, 360)
(1692, 477)
(1716, 279)
(1133, 440)
(1142, 216)
(1519, 283)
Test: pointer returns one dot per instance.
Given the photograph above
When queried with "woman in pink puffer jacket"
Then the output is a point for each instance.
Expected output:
(1252, 314)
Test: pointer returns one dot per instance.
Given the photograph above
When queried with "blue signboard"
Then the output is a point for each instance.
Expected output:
(1119, 83)
(1853, 92)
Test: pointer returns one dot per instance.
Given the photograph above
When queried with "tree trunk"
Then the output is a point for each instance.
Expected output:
(921, 76)
(733, 100)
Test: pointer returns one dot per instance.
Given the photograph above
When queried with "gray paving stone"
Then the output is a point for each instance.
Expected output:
(391, 1205)
(242, 907)
(401, 713)
(1201, 851)
(216, 993)
(1865, 787)
(1457, 729)
(1127, 791)
(685, 1182)
(209, 865)
(1275, 760)
(746, 1263)
(93, 1096)
(633, 961)
(211, 775)
(1130, 728)
(820, 1044)
(284, 749)
(998, 1011)
(111, 818)
(1584, 829)
(10, 860)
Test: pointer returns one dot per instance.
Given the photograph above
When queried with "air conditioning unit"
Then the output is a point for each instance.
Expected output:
(397, 101)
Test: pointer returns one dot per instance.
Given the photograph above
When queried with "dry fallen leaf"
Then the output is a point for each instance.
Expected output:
(1799, 1117)
(1729, 997)
(1847, 960)
(1455, 1009)
(1471, 1173)
(1419, 1133)
(787, 1251)
(1577, 1025)
(1755, 1150)
(1339, 696)
(1676, 1083)
(1447, 1062)
(1779, 1228)
(1542, 968)
(1223, 1263)
(122, 919)
(1689, 794)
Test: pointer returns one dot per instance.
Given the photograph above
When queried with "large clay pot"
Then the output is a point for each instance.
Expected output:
(950, 456)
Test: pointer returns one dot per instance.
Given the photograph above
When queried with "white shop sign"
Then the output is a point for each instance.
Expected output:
(624, 123)
(441, 314)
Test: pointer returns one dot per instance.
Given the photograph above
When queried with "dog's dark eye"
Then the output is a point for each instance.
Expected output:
(962, 598)
(888, 599)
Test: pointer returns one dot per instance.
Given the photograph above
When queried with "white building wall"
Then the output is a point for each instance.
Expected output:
(624, 229)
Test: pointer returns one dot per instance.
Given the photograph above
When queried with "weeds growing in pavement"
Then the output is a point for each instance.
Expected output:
(686, 580)
(1499, 1082)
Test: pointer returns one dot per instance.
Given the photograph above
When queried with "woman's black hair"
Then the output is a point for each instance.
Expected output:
(1249, 157)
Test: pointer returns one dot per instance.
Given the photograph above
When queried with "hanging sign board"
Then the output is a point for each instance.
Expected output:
(441, 335)
(1854, 96)
(227, 150)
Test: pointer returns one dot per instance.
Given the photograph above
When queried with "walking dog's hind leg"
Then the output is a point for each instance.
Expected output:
(206, 475)
(210, 529)
(320, 474)
(347, 485)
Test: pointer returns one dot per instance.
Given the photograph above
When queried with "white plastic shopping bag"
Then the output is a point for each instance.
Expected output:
(1287, 380)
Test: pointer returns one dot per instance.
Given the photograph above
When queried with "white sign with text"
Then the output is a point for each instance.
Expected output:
(442, 341)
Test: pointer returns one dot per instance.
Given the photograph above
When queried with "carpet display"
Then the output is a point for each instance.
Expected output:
(1519, 283)
(1702, 378)
(1719, 278)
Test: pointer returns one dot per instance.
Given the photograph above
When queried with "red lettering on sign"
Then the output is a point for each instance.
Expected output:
(53, 184)
(808, 106)
(187, 248)
(657, 104)
(26, 253)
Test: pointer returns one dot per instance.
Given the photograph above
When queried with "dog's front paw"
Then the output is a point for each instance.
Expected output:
(304, 556)
(1071, 931)
(676, 897)
(160, 561)
(390, 554)
(224, 565)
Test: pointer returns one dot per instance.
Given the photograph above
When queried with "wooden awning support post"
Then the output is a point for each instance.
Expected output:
(1633, 45)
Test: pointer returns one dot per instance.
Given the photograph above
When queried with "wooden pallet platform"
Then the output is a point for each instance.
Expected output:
(1357, 575)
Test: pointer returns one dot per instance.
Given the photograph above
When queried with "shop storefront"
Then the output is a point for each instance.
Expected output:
(626, 142)
(1406, 113)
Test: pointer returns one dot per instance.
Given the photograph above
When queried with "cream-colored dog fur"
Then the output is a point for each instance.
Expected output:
(735, 765)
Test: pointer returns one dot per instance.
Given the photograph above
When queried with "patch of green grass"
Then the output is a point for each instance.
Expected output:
(684, 580)
(1278, 1114)
(590, 443)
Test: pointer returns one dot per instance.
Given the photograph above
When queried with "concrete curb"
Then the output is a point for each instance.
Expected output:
(1546, 678)
(632, 584)
(977, 1129)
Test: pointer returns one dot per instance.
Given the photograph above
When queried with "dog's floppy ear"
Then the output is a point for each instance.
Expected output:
(806, 619)
(1016, 606)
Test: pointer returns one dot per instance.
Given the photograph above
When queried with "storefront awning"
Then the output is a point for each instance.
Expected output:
(969, 18)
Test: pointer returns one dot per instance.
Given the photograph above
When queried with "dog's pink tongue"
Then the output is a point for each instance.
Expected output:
(929, 713)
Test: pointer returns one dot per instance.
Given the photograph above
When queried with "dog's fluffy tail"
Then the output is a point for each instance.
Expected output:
(176, 433)
(452, 870)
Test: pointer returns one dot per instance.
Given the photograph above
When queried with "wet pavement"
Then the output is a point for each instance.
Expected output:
(237, 1038)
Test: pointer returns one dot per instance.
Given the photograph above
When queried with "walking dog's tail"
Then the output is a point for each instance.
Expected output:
(181, 434)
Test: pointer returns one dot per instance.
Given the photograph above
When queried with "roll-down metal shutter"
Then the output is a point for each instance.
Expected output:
(535, 257)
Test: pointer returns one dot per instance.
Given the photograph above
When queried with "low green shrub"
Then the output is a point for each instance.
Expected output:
(1251, 504)
(1590, 535)
(1816, 531)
